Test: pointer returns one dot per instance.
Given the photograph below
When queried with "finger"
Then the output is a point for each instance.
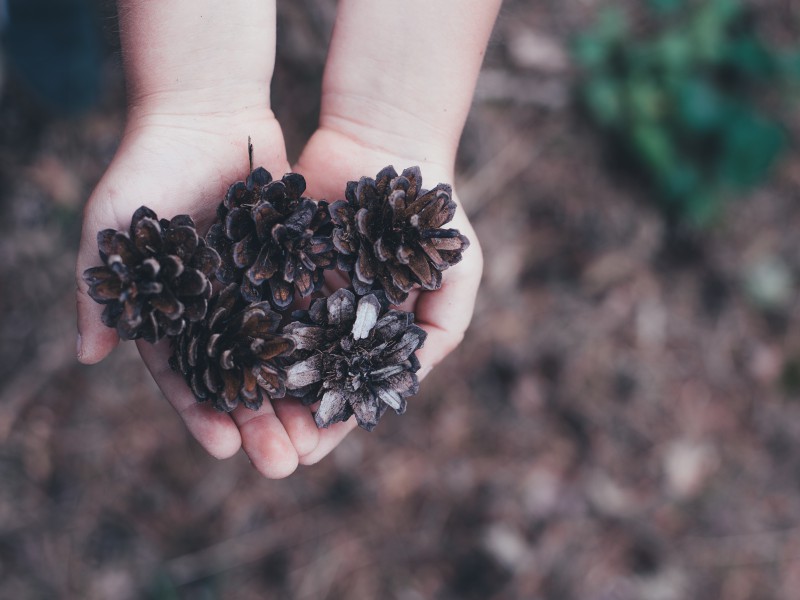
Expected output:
(95, 340)
(265, 441)
(328, 440)
(299, 424)
(441, 340)
(215, 431)
(446, 313)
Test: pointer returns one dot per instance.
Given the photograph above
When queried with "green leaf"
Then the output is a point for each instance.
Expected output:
(699, 107)
(750, 57)
(708, 29)
(680, 182)
(602, 99)
(612, 25)
(638, 60)
(593, 50)
(702, 207)
(683, 99)
(750, 147)
(653, 146)
(667, 6)
(721, 12)
(645, 100)
(788, 65)
(674, 51)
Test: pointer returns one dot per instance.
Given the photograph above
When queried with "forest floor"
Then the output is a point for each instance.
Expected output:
(621, 422)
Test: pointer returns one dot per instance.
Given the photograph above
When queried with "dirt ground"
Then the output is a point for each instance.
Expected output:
(621, 422)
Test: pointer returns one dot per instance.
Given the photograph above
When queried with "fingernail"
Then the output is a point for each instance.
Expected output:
(79, 347)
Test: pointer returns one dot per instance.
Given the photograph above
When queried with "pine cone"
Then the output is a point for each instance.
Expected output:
(388, 232)
(356, 359)
(229, 358)
(272, 239)
(155, 277)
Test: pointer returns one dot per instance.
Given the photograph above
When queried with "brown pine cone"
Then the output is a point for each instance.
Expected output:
(354, 358)
(229, 358)
(272, 240)
(388, 233)
(155, 277)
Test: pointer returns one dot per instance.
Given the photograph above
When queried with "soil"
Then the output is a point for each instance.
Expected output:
(621, 422)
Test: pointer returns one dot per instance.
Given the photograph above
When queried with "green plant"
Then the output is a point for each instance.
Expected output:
(683, 103)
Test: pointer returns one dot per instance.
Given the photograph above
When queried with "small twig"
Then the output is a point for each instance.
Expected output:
(500, 86)
(508, 164)
(245, 549)
(745, 549)
(320, 575)
(52, 356)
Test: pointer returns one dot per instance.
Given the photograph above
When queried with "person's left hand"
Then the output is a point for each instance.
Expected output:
(328, 162)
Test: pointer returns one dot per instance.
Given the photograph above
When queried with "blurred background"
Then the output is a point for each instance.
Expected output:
(622, 420)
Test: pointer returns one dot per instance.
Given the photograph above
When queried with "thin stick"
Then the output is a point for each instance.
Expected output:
(296, 530)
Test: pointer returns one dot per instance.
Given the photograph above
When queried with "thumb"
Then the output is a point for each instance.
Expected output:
(95, 340)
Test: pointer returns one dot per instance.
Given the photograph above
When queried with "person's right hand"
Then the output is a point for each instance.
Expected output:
(198, 80)
(183, 165)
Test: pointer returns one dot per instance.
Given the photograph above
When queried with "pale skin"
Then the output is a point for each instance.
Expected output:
(397, 89)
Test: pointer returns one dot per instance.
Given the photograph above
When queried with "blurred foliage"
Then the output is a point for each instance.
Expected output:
(682, 100)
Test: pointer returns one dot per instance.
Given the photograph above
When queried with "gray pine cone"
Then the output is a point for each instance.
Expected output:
(355, 358)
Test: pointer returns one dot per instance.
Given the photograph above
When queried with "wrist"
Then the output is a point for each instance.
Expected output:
(190, 102)
(207, 115)
(220, 139)
(332, 159)
(197, 56)
(402, 145)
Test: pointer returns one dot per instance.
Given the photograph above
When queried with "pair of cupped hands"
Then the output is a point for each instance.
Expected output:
(182, 162)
